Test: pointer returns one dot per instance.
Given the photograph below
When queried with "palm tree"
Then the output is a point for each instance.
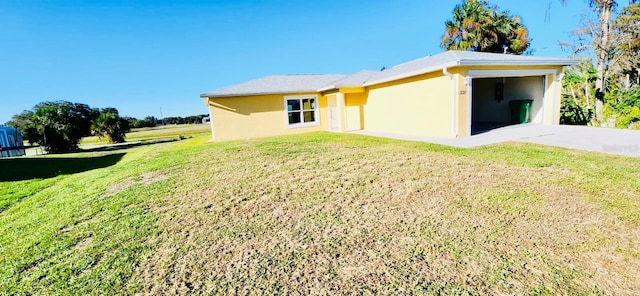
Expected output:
(513, 36)
(479, 27)
(111, 126)
(469, 28)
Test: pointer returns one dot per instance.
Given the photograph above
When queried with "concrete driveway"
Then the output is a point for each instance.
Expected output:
(605, 140)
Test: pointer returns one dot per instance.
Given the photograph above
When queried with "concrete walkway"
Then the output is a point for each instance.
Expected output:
(605, 140)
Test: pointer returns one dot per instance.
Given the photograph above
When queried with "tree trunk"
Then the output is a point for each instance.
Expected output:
(627, 82)
(606, 8)
(587, 91)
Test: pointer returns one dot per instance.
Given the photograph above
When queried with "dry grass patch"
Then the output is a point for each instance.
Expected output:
(143, 179)
(328, 217)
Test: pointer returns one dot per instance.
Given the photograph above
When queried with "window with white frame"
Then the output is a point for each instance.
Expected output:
(301, 111)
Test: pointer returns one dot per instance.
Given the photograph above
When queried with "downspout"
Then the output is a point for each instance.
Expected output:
(454, 125)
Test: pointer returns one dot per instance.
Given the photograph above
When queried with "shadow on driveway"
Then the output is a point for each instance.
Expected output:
(18, 169)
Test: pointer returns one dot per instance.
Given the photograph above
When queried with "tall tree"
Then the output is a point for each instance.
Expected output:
(110, 125)
(605, 10)
(626, 35)
(602, 47)
(27, 126)
(62, 124)
(478, 26)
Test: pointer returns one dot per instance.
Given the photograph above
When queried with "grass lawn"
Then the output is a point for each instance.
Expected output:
(321, 213)
(163, 131)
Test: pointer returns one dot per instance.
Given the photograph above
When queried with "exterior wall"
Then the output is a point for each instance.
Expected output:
(235, 118)
(354, 111)
(332, 109)
(555, 86)
(418, 105)
(462, 107)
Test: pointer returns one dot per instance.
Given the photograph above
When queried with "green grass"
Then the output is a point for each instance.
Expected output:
(165, 131)
(321, 214)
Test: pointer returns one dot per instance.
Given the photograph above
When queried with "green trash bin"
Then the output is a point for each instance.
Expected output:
(520, 110)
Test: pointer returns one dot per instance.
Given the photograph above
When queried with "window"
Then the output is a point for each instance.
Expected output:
(301, 111)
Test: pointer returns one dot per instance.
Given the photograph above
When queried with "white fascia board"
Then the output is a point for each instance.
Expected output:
(508, 73)
(558, 62)
(326, 88)
(256, 94)
(550, 62)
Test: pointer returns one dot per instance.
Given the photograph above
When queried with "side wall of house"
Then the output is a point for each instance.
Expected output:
(354, 109)
(419, 105)
(235, 118)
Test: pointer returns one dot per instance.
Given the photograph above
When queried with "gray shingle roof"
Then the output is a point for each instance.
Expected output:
(276, 84)
(283, 84)
(356, 79)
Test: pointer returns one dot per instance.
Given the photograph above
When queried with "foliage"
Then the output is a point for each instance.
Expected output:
(613, 45)
(111, 126)
(184, 120)
(626, 53)
(27, 126)
(624, 106)
(577, 96)
(148, 121)
(151, 121)
(478, 26)
(63, 124)
(613, 42)
(628, 118)
(59, 125)
(572, 113)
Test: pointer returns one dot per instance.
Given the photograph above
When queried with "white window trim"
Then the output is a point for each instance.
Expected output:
(302, 124)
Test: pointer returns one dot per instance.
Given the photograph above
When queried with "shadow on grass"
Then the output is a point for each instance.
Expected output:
(18, 169)
(127, 145)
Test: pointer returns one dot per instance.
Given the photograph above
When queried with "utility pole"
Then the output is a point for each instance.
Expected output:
(161, 117)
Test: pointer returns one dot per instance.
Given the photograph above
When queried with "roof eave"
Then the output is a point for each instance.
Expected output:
(256, 94)
(558, 62)
(327, 88)
(412, 73)
(337, 87)
(555, 62)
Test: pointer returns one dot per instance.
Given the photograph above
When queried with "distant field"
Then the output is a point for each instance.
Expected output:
(185, 130)
(320, 214)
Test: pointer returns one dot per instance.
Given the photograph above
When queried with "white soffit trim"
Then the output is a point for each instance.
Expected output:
(558, 62)
(508, 73)
(542, 62)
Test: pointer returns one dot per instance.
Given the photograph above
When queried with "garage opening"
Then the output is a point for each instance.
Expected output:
(491, 97)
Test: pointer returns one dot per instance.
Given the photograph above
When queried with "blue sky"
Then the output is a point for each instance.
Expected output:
(142, 57)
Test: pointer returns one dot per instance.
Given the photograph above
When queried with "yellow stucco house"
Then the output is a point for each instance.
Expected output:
(452, 94)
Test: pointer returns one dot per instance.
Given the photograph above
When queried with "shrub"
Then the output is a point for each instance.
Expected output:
(573, 114)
